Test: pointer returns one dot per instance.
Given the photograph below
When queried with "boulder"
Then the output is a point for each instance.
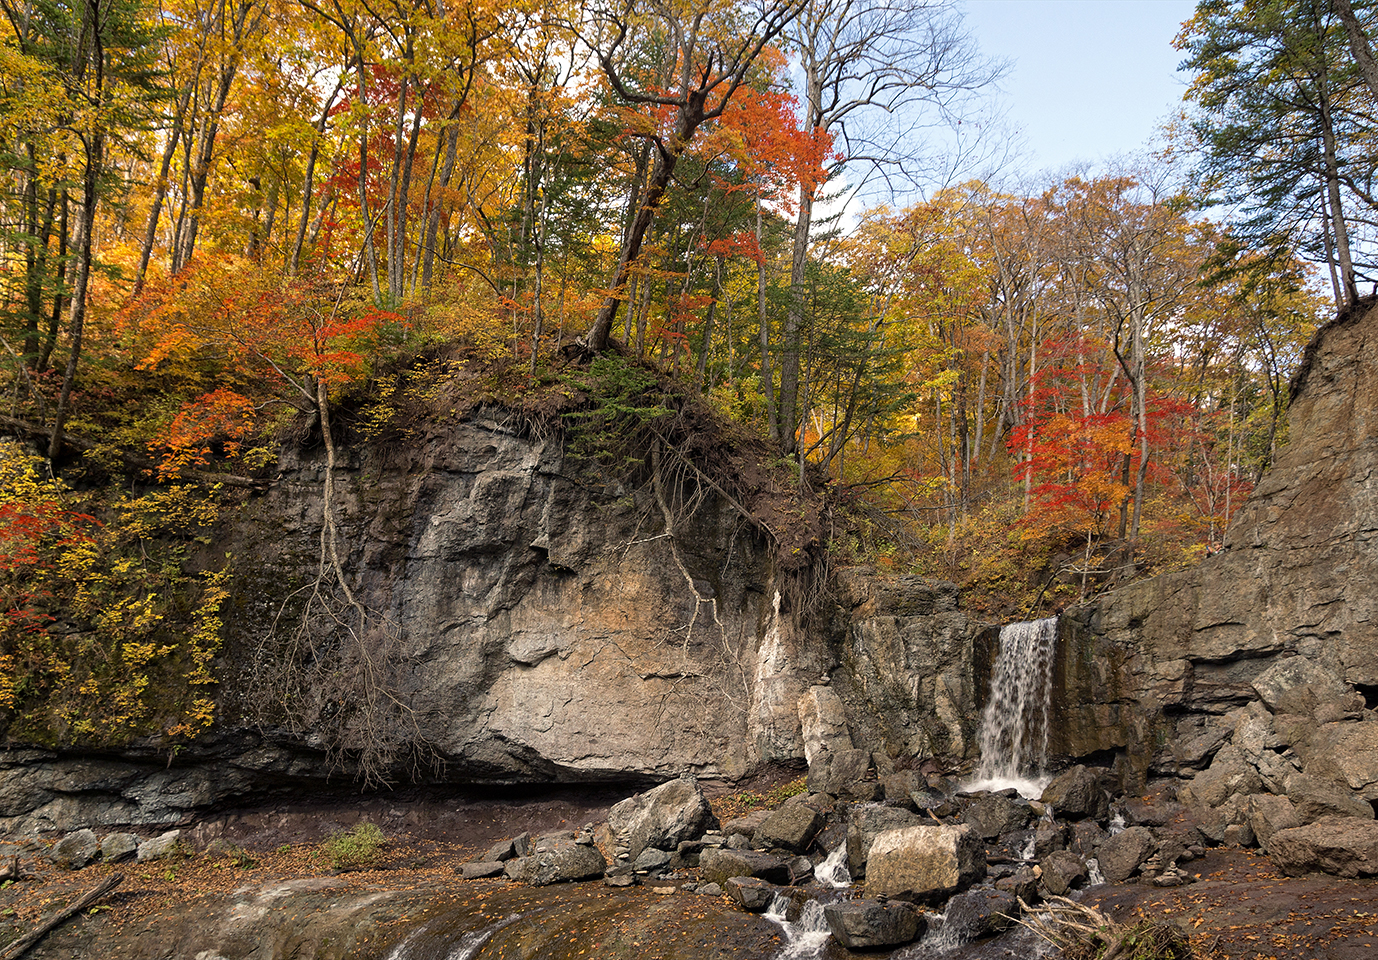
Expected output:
(899, 785)
(1315, 798)
(792, 827)
(1120, 855)
(1228, 775)
(1268, 814)
(662, 817)
(164, 845)
(1087, 837)
(746, 825)
(1286, 675)
(720, 865)
(834, 772)
(557, 860)
(979, 913)
(118, 847)
(925, 863)
(652, 860)
(873, 924)
(1343, 846)
(994, 815)
(1062, 871)
(75, 850)
(751, 893)
(1023, 883)
(1076, 794)
(867, 823)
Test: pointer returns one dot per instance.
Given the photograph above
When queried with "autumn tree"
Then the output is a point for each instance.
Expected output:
(710, 51)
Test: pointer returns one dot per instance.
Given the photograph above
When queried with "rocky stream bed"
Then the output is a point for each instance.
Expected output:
(258, 884)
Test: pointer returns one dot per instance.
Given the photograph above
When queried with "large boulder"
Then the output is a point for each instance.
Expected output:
(1120, 855)
(1343, 846)
(792, 827)
(994, 815)
(557, 859)
(868, 822)
(1315, 798)
(978, 913)
(1062, 870)
(662, 817)
(1076, 794)
(922, 864)
(1268, 814)
(718, 865)
(75, 850)
(873, 924)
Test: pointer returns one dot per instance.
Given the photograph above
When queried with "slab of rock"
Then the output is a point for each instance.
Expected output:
(792, 827)
(1315, 798)
(873, 924)
(867, 823)
(662, 817)
(1287, 674)
(746, 825)
(720, 865)
(1120, 855)
(1343, 846)
(925, 863)
(834, 772)
(1076, 794)
(75, 850)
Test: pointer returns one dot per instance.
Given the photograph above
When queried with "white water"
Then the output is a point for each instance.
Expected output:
(833, 871)
(1014, 726)
(1094, 878)
(806, 937)
(1116, 824)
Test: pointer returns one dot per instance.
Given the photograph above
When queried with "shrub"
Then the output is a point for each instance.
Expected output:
(357, 849)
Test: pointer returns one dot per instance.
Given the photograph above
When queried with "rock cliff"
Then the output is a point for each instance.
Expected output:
(1255, 672)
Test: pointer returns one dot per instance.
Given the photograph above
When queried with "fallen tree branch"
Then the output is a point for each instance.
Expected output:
(21, 946)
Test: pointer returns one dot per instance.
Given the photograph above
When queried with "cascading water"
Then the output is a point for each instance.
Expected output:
(833, 871)
(806, 937)
(1014, 726)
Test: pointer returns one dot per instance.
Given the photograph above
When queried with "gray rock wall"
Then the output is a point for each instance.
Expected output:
(1164, 672)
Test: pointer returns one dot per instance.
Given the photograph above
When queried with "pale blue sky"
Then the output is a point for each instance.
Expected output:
(1089, 79)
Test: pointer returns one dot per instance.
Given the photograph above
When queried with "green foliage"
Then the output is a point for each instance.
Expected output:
(105, 636)
(623, 398)
(357, 849)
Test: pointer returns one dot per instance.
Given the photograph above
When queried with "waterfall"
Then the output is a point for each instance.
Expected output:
(1014, 726)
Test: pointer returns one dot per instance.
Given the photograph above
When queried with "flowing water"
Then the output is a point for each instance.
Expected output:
(833, 871)
(806, 937)
(1014, 726)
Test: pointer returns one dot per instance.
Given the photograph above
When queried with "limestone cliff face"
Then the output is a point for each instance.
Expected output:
(1146, 668)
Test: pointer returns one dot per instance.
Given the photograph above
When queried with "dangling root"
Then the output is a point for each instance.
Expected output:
(1081, 932)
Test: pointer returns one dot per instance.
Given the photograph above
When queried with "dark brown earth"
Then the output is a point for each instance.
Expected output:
(1240, 908)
